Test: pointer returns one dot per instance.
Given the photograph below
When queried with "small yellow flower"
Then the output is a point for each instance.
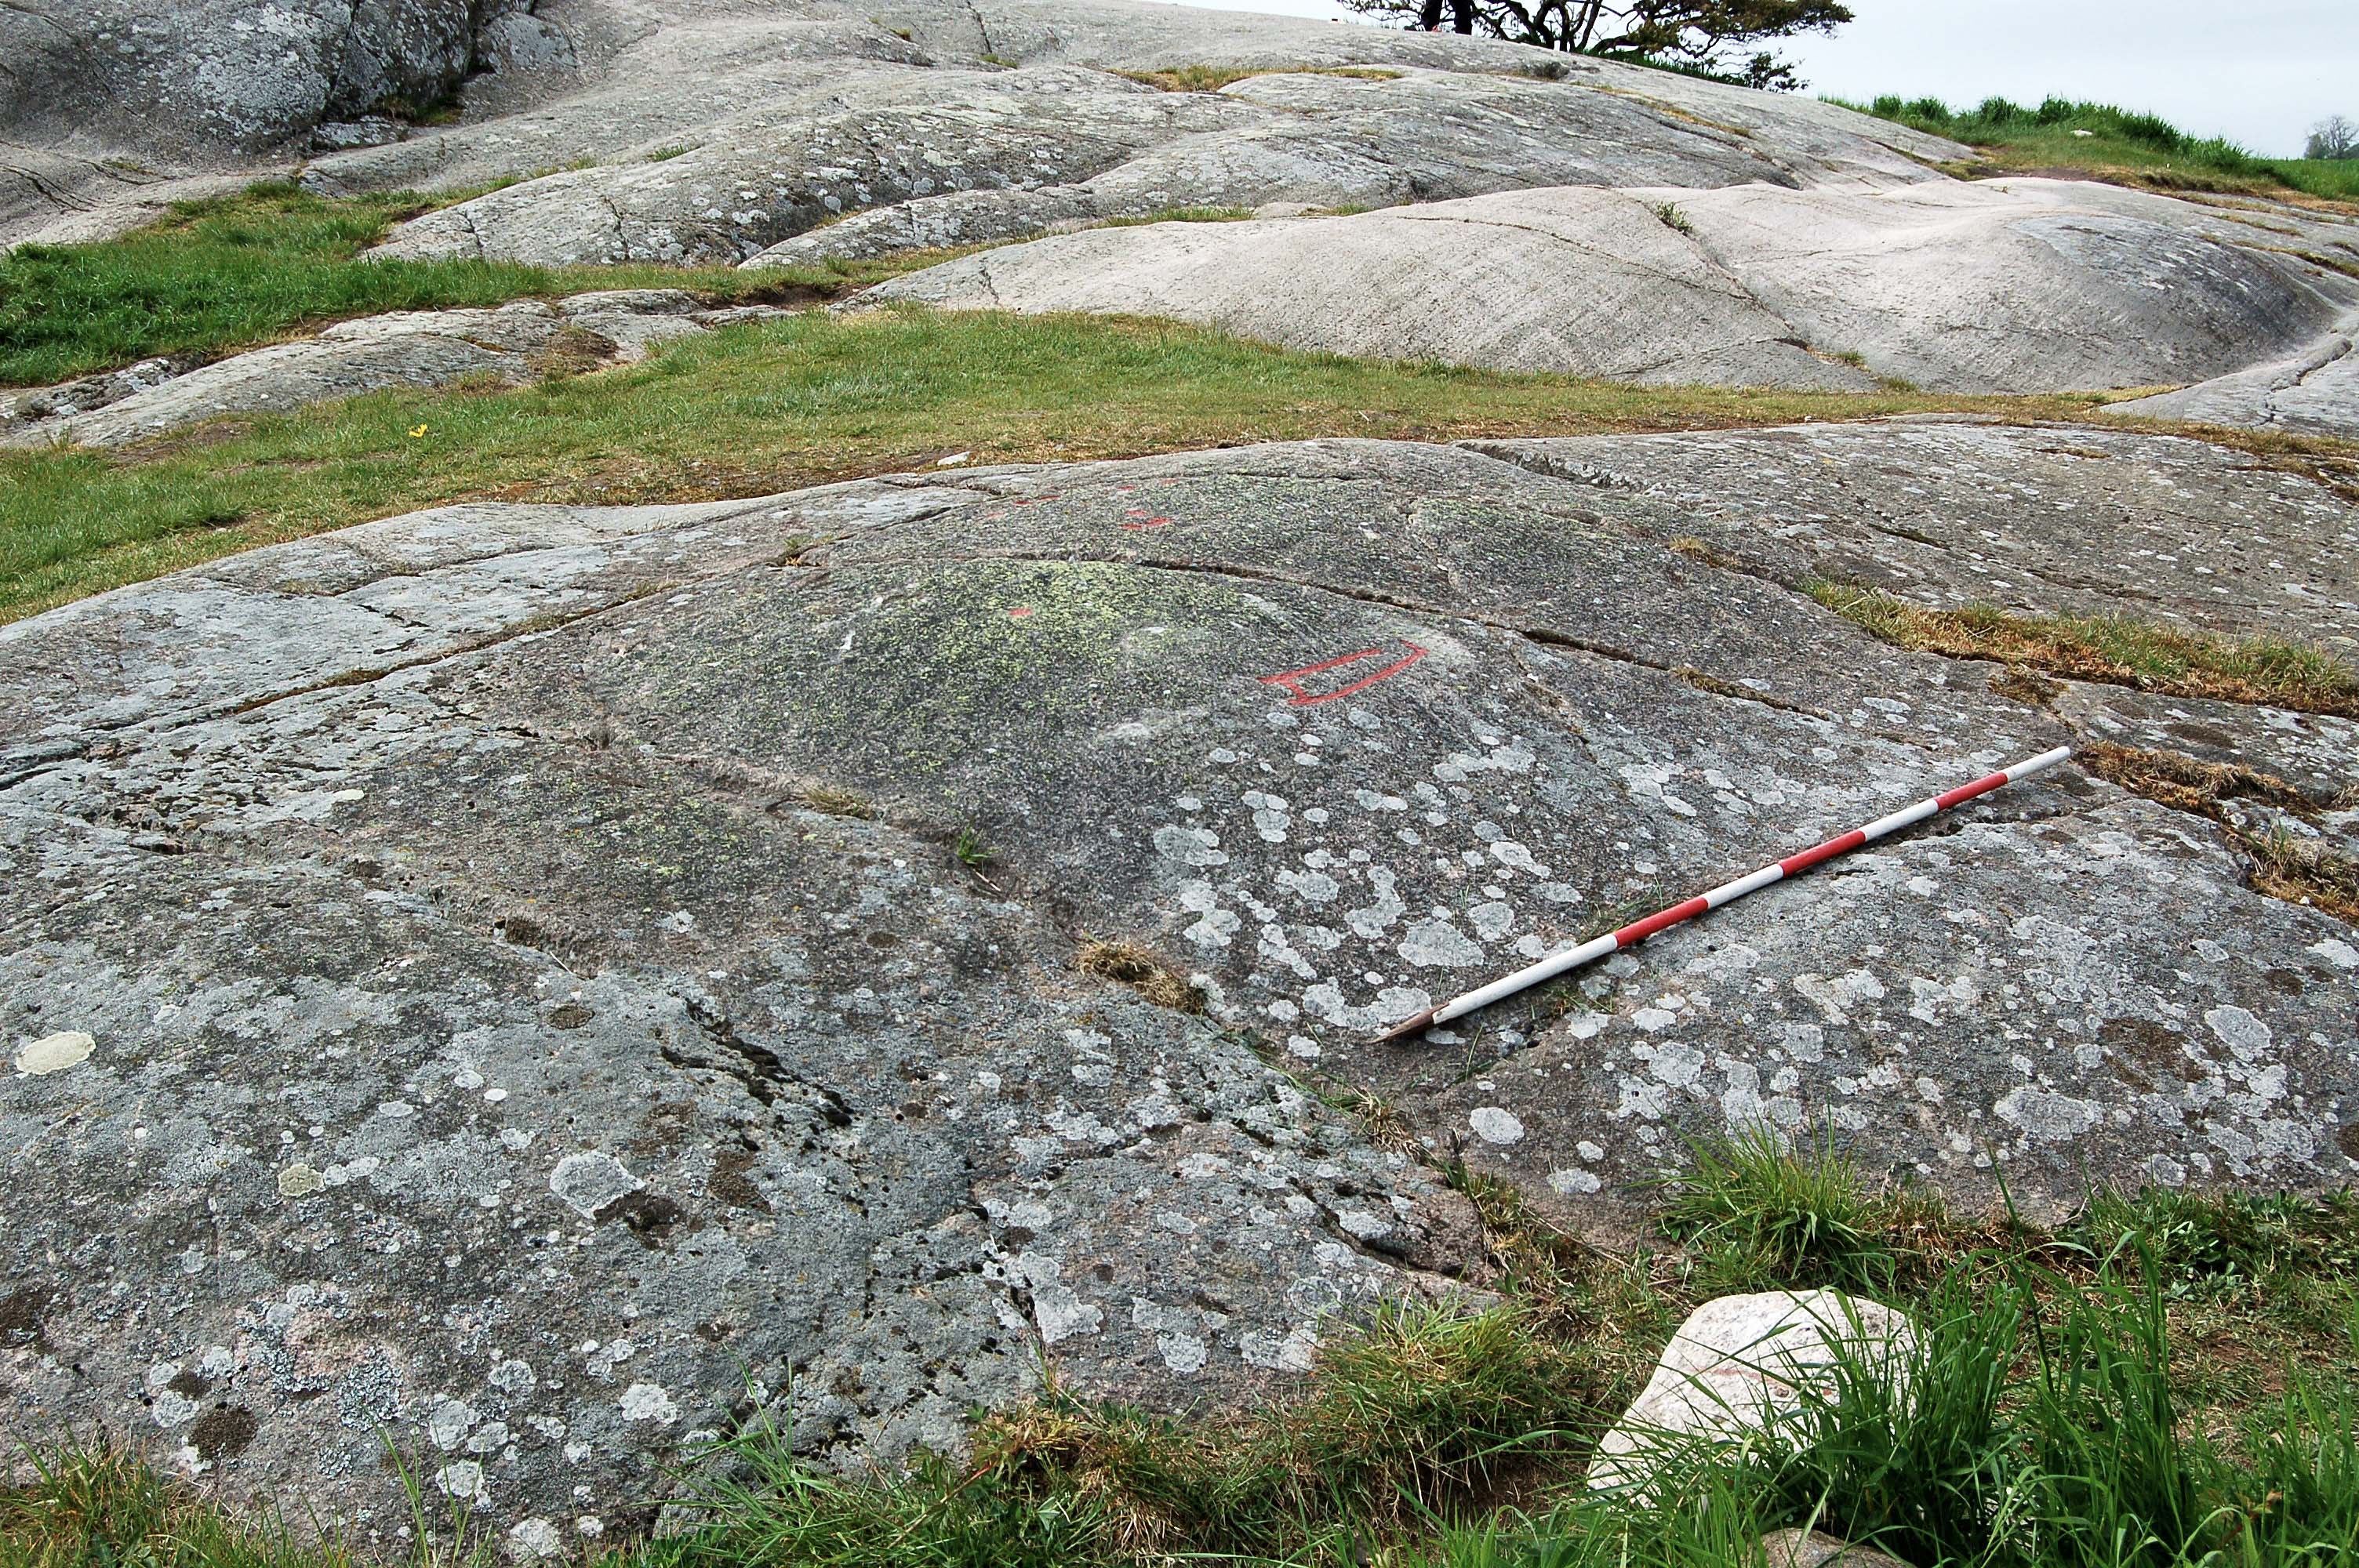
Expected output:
(418, 433)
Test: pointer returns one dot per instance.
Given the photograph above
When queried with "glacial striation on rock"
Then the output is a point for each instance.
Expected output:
(2026, 286)
(509, 1035)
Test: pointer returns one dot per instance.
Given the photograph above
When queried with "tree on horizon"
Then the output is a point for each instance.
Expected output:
(1704, 36)
(2333, 137)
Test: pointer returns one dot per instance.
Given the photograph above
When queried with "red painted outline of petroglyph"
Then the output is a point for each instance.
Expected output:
(1292, 679)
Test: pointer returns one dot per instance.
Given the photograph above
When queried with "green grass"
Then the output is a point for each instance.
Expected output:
(798, 400)
(1181, 215)
(2100, 138)
(2336, 179)
(1806, 1222)
(231, 271)
(2061, 1407)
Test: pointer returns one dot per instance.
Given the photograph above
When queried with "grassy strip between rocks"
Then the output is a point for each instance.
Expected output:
(767, 407)
(2117, 143)
(2162, 1379)
(2114, 650)
(231, 271)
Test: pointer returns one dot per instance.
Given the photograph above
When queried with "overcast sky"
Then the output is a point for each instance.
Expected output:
(2262, 71)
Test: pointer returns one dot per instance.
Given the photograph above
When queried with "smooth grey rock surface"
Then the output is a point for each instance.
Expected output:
(1341, 142)
(1947, 286)
(512, 343)
(1589, 282)
(2061, 520)
(489, 1049)
(2314, 390)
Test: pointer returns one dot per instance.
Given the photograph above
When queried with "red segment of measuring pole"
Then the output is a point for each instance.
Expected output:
(1639, 930)
(1965, 793)
(1793, 865)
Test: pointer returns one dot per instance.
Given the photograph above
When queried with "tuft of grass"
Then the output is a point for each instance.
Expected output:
(2222, 1244)
(832, 802)
(1137, 966)
(2025, 686)
(2114, 650)
(1672, 217)
(1805, 1218)
(100, 1504)
(1704, 552)
(1212, 78)
(968, 848)
(2187, 784)
(807, 399)
(2305, 870)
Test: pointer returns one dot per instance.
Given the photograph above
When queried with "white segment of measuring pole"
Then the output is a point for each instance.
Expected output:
(1598, 947)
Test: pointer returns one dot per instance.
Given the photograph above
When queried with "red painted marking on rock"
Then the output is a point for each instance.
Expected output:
(1150, 523)
(1019, 613)
(1291, 680)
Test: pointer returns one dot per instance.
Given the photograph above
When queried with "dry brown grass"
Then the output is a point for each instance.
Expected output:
(2187, 784)
(2111, 650)
(2025, 686)
(1212, 78)
(1701, 550)
(1137, 966)
(832, 802)
(2305, 870)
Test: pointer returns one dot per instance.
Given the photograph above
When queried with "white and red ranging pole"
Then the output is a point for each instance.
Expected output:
(1637, 931)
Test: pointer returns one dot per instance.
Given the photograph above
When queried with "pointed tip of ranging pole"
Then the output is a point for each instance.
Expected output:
(1406, 1027)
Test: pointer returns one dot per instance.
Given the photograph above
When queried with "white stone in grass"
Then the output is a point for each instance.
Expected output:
(1739, 1364)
